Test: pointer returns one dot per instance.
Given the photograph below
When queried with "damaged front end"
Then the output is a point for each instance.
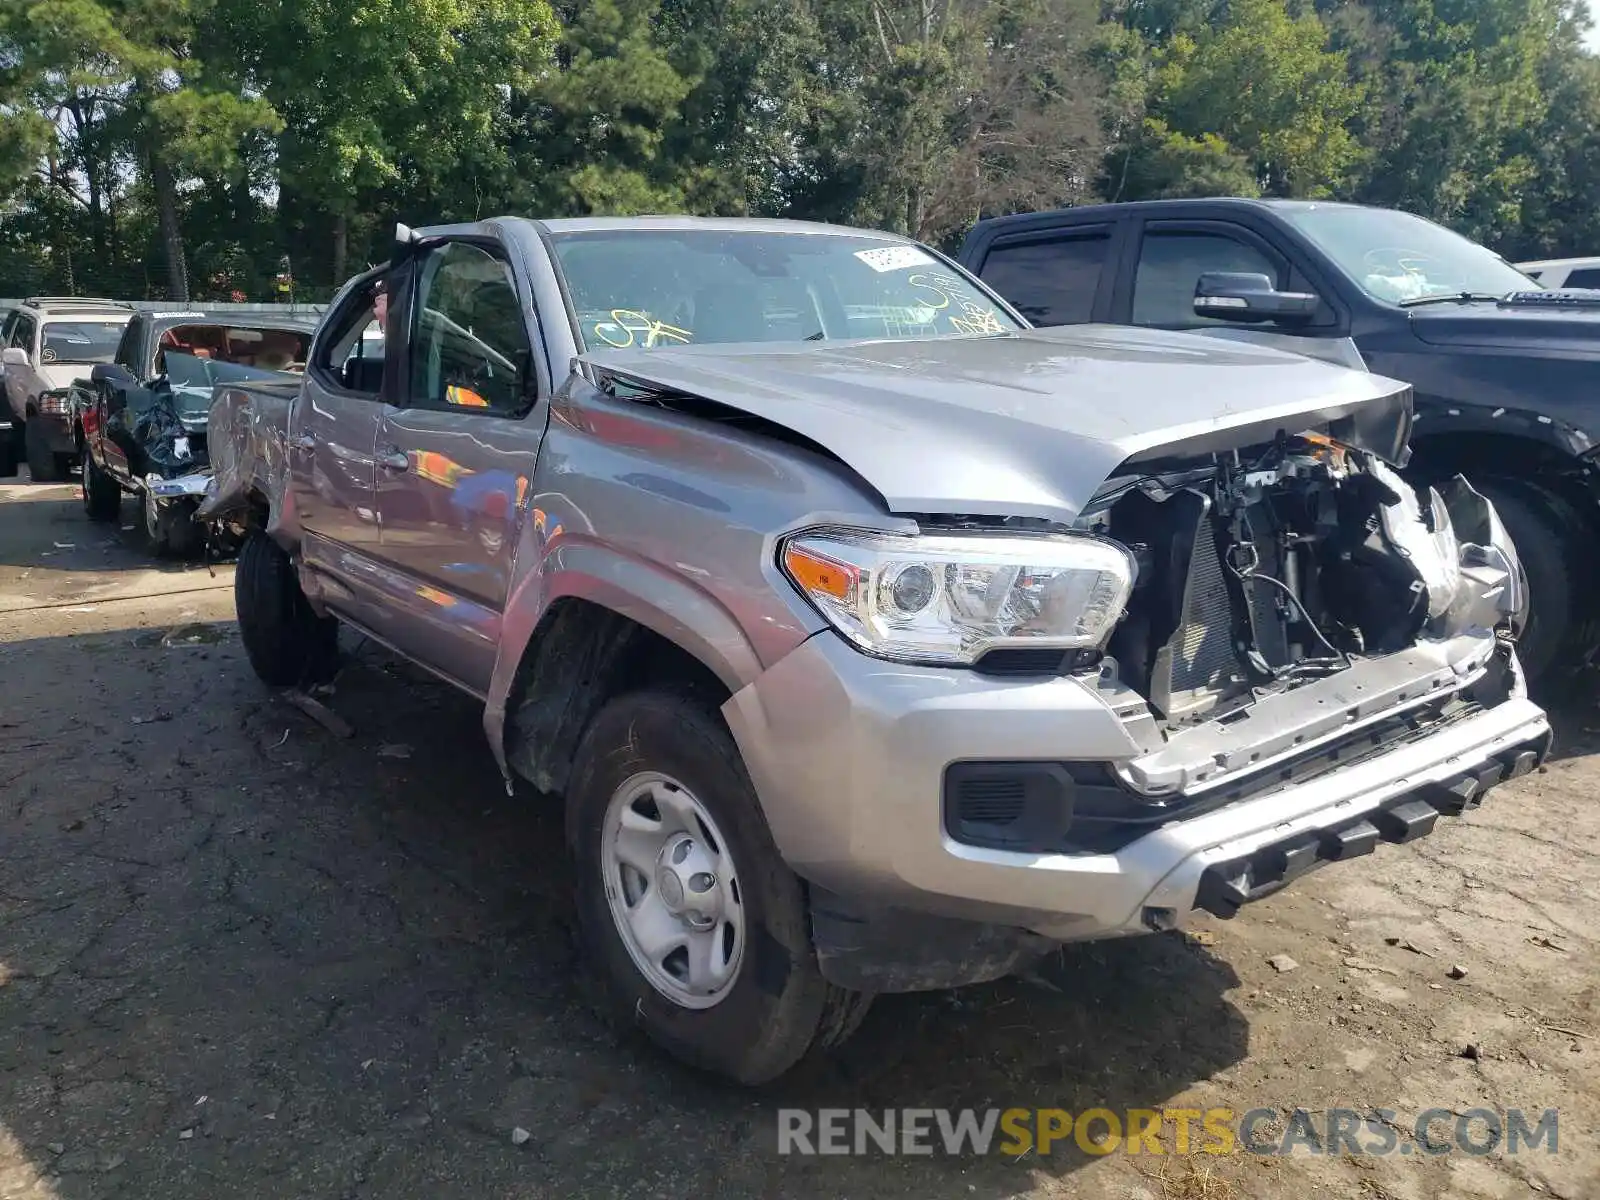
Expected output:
(1297, 603)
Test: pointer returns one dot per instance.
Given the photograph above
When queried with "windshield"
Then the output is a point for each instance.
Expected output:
(81, 341)
(1396, 256)
(644, 288)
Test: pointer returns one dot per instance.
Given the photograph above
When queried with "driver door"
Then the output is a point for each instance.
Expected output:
(455, 456)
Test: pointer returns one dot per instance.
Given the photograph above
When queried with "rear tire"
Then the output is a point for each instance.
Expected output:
(102, 498)
(43, 465)
(287, 643)
(1543, 528)
(773, 1006)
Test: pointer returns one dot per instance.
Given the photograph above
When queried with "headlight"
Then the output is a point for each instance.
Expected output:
(951, 599)
(54, 403)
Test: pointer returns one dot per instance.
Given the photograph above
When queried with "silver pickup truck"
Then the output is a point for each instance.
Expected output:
(875, 640)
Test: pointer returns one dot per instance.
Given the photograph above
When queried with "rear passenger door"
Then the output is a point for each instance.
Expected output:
(455, 455)
(1059, 276)
(333, 425)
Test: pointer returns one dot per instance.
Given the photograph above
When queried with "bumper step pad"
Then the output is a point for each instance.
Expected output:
(1226, 887)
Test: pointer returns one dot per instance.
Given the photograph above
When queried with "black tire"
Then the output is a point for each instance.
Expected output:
(778, 1007)
(102, 498)
(287, 643)
(1542, 527)
(10, 443)
(43, 465)
(170, 529)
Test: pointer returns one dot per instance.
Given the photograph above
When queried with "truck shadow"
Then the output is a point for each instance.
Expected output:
(45, 528)
(359, 950)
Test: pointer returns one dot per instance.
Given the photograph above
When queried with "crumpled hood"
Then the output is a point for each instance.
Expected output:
(1493, 325)
(1026, 424)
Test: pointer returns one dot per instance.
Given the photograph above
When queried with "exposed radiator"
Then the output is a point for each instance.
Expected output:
(1199, 666)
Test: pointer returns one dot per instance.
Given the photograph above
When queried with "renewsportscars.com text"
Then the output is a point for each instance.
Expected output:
(1097, 1131)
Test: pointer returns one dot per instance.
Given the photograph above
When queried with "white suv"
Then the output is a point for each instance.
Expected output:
(1564, 272)
(46, 343)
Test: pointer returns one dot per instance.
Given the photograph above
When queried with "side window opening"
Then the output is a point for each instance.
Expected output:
(1052, 280)
(1170, 264)
(352, 353)
(469, 345)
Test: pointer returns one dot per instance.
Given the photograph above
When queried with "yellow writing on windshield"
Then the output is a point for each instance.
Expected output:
(630, 328)
(975, 318)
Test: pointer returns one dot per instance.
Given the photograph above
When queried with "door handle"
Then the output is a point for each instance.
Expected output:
(305, 441)
(392, 458)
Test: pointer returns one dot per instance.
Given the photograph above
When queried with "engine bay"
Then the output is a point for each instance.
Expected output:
(1269, 567)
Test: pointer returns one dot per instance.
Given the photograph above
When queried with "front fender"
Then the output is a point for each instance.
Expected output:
(662, 601)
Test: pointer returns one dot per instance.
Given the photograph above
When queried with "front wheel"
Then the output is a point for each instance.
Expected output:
(287, 643)
(696, 927)
(44, 465)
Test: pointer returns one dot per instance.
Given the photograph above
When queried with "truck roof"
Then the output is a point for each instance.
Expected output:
(560, 225)
(763, 224)
(1156, 206)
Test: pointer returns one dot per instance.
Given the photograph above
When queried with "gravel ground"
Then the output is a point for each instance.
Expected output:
(243, 957)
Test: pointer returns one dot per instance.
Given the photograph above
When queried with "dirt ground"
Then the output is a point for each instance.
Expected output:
(243, 957)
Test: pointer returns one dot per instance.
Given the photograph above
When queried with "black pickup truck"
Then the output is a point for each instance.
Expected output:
(1506, 374)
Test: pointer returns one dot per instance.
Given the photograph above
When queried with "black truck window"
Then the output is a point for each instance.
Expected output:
(127, 353)
(1583, 277)
(1170, 264)
(1050, 281)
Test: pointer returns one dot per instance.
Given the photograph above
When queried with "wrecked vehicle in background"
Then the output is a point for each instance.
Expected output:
(876, 641)
(141, 420)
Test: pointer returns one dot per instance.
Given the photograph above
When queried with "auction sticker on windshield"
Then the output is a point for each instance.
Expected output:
(894, 258)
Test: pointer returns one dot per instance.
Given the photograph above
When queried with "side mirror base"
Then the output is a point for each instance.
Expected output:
(1250, 297)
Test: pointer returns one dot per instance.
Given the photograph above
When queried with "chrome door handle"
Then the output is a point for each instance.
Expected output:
(394, 459)
(305, 441)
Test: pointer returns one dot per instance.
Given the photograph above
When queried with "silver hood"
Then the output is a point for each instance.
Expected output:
(1025, 424)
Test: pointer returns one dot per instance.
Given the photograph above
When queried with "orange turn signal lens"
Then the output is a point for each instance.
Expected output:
(819, 574)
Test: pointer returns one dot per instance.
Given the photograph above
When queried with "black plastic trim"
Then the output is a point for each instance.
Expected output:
(1227, 887)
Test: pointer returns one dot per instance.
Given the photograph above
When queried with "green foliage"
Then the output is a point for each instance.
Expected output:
(154, 146)
(1251, 103)
(612, 107)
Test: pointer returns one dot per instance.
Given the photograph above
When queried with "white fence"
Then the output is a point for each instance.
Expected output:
(305, 310)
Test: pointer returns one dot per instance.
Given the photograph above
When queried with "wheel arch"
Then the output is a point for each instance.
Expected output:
(1541, 456)
(581, 654)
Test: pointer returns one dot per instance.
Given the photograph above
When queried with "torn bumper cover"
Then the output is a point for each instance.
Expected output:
(1225, 887)
(856, 765)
